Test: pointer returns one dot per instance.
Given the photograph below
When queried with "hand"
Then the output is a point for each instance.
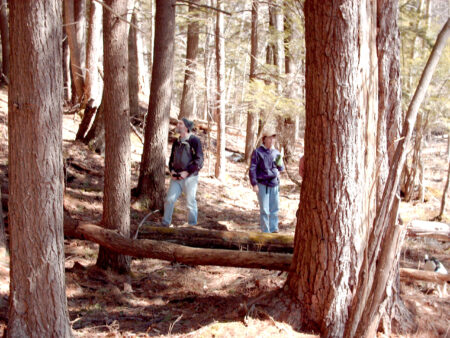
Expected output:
(183, 175)
(255, 188)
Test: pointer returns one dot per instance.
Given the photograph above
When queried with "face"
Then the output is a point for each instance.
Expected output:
(181, 127)
(269, 141)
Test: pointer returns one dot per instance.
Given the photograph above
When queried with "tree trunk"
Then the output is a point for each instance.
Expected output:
(177, 253)
(133, 67)
(220, 98)
(74, 29)
(89, 113)
(66, 68)
(4, 29)
(92, 86)
(252, 117)
(3, 245)
(444, 193)
(116, 194)
(95, 137)
(151, 175)
(336, 205)
(188, 97)
(38, 305)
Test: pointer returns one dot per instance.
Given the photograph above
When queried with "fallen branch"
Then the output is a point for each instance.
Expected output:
(146, 248)
(426, 276)
(436, 230)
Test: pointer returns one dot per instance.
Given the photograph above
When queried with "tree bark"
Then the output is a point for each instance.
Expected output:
(252, 117)
(4, 29)
(151, 175)
(3, 247)
(177, 253)
(447, 183)
(38, 306)
(336, 206)
(74, 25)
(95, 137)
(231, 240)
(116, 194)
(220, 92)
(66, 67)
(188, 97)
(133, 66)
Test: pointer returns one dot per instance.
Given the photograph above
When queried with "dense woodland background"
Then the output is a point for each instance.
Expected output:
(126, 71)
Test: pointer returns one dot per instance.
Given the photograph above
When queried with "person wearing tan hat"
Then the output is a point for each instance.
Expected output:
(266, 165)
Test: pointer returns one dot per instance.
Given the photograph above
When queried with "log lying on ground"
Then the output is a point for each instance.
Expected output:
(201, 238)
(426, 276)
(146, 248)
(437, 230)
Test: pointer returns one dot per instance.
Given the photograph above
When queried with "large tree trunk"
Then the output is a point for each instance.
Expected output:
(251, 116)
(74, 20)
(336, 205)
(116, 195)
(220, 94)
(188, 97)
(151, 175)
(4, 29)
(38, 306)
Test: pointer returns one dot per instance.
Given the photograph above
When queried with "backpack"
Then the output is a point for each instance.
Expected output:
(182, 156)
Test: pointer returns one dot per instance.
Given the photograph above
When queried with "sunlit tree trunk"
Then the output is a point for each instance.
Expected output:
(336, 208)
(151, 175)
(252, 116)
(38, 305)
(188, 97)
(116, 193)
(220, 92)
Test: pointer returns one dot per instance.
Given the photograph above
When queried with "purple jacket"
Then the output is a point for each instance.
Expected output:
(263, 168)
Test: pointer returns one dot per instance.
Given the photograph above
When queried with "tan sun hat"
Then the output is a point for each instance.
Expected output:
(269, 132)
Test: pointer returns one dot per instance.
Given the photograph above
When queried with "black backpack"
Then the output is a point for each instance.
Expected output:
(182, 156)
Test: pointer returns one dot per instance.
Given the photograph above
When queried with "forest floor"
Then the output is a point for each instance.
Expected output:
(159, 298)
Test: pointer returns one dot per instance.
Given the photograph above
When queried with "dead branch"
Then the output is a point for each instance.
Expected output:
(426, 276)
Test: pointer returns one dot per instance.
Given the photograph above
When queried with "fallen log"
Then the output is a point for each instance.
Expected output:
(146, 248)
(436, 230)
(426, 276)
(234, 240)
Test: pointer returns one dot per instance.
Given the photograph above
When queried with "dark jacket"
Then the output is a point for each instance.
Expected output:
(263, 168)
(196, 162)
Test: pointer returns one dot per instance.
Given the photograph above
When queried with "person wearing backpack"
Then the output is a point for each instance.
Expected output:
(186, 160)
(265, 167)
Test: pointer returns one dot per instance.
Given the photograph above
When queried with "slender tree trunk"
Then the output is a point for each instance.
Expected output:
(3, 245)
(133, 67)
(188, 97)
(340, 136)
(66, 67)
(444, 193)
(38, 306)
(116, 200)
(220, 99)
(72, 9)
(151, 175)
(95, 137)
(251, 116)
(4, 29)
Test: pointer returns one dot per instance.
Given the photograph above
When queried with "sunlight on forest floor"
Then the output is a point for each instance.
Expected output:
(164, 299)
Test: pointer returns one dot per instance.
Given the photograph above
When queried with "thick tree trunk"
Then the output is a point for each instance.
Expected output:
(220, 94)
(251, 116)
(336, 205)
(232, 240)
(38, 306)
(177, 253)
(4, 29)
(188, 97)
(151, 175)
(74, 24)
(116, 195)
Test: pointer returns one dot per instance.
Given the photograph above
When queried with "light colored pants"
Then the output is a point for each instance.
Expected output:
(268, 207)
(189, 187)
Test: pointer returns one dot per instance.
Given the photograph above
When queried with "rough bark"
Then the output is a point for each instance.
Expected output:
(74, 25)
(151, 175)
(188, 97)
(251, 116)
(336, 205)
(231, 240)
(38, 306)
(4, 29)
(116, 194)
(220, 167)
(177, 253)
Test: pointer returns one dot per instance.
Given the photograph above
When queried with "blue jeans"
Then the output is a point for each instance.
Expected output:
(268, 207)
(189, 187)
